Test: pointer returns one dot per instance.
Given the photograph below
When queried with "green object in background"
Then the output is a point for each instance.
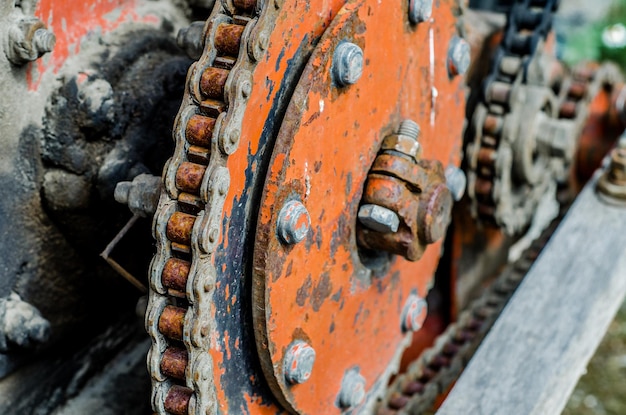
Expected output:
(599, 41)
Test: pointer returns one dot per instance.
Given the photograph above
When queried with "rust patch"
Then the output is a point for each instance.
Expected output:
(304, 291)
(321, 291)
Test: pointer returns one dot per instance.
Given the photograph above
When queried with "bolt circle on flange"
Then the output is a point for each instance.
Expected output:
(458, 56)
(347, 64)
(293, 222)
(352, 392)
(420, 10)
(298, 362)
(414, 313)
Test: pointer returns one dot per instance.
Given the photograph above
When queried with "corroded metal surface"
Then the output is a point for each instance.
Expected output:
(319, 290)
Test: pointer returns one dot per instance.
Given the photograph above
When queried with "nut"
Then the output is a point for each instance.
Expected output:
(378, 218)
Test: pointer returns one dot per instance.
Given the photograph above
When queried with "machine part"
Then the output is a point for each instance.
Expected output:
(456, 182)
(458, 56)
(141, 195)
(328, 290)
(352, 392)
(510, 159)
(347, 64)
(293, 222)
(417, 390)
(29, 40)
(21, 325)
(199, 225)
(401, 183)
(612, 184)
(420, 10)
(378, 218)
(190, 39)
(414, 313)
(298, 362)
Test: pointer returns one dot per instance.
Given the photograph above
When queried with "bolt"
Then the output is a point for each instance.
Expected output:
(414, 313)
(435, 213)
(347, 64)
(378, 218)
(191, 39)
(410, 129)
(458, 56)
(298, 362)
(352, 391)
(293, 222)
(612, 184)
(456, 182)
(141, 195)
(29, 40)
(420, 10)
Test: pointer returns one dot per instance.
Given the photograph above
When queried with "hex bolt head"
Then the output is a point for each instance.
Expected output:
(378, 218)
(347, 64)
(352, 392)
(420, 10)
(456, 182)
(414, 313)
(458, 56)
(298, 362)
(293, 222)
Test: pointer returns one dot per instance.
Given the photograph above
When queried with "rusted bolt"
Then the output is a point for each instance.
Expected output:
(456, 182)
(612, 184)
(298, 362)
(420, 10)
(458, 56)
(29, 40)
(141, 195)
(435, 213)
(347, 64)
(293, 222)
(378, 218)
(352, 391)
(414, 313)
(191, 39)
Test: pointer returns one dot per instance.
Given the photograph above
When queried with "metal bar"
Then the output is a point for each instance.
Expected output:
(539, 347)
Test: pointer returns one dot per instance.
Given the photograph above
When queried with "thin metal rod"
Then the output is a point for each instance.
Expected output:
(117, 267)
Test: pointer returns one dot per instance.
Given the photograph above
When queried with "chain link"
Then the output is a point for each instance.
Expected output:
(187, 222)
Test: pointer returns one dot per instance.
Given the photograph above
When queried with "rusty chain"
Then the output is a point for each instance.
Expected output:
(512, 130)
(196, 180)
(186, 225)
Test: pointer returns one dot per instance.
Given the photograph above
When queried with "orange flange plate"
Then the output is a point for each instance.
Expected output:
(318, 290)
